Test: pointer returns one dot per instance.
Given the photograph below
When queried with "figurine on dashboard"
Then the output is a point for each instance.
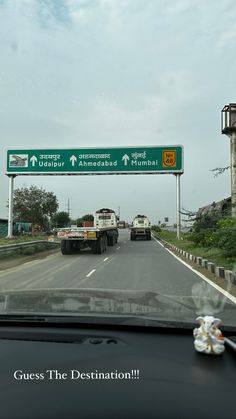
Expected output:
(208, 338)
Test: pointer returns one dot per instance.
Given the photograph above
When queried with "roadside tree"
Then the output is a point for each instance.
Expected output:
(60, 219)
(86, 217)
(34, 205)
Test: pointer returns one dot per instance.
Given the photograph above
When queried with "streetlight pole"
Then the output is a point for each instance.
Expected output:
(228, 127)
(233, 173)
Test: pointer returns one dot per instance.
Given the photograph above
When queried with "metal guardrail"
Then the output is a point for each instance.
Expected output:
(19, 246)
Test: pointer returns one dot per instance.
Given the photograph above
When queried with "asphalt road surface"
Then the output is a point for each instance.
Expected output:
(129, 265)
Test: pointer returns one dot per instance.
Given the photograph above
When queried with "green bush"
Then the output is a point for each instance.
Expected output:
(201, 238)
(225, 238)
(156, 228)
(207, 222)
(226, 222)
(213, 230)
(28, 251)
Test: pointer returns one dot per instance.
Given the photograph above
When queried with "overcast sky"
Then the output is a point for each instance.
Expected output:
(76, 73)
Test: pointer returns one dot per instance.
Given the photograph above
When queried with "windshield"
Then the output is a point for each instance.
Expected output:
(109, 109)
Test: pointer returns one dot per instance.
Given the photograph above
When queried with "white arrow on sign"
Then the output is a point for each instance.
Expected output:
(125, 158)
(33, 160)
(73, 159)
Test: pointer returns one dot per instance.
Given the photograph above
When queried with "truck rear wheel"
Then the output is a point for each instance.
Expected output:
(94, 247)
(69, 247)
(66, 247)
(75, 246)
(104, 243)
(99, 246)
(63, 247)
(110, 241)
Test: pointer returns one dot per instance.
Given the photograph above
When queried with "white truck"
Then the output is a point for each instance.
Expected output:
(141, 227)
(103, 233)
(121, 224)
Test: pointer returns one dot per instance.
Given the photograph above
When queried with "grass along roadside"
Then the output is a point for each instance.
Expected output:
(18, 254)
(22, 239)
(212, 254)
(13, 260)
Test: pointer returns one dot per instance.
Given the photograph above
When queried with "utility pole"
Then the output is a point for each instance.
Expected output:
(228, 127)
(68, 207)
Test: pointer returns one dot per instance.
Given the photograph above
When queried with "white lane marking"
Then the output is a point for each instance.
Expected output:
(104, 260)
(158, 241)
(98, 266)
(118, 248)
(217, 287)
(90, 273)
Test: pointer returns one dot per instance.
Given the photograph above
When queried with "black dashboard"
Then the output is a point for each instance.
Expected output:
(102, 372)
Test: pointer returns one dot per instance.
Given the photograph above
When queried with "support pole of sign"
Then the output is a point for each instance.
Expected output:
(10, 207)
(178, 218)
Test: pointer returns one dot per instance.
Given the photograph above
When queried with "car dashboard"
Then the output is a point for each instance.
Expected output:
(102, 371)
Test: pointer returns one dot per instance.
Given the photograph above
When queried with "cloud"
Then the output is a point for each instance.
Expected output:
(120, 72)
(227, 38)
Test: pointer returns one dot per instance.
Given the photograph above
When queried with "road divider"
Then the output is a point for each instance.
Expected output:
(218, 271)
(226, 293)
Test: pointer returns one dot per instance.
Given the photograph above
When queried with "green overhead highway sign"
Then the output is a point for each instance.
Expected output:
(96, 161)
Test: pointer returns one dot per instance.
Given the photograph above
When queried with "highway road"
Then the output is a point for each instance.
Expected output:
(129, 265)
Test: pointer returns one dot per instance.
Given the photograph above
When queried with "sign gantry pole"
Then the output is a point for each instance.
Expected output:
(10, 206)
(178, 217)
